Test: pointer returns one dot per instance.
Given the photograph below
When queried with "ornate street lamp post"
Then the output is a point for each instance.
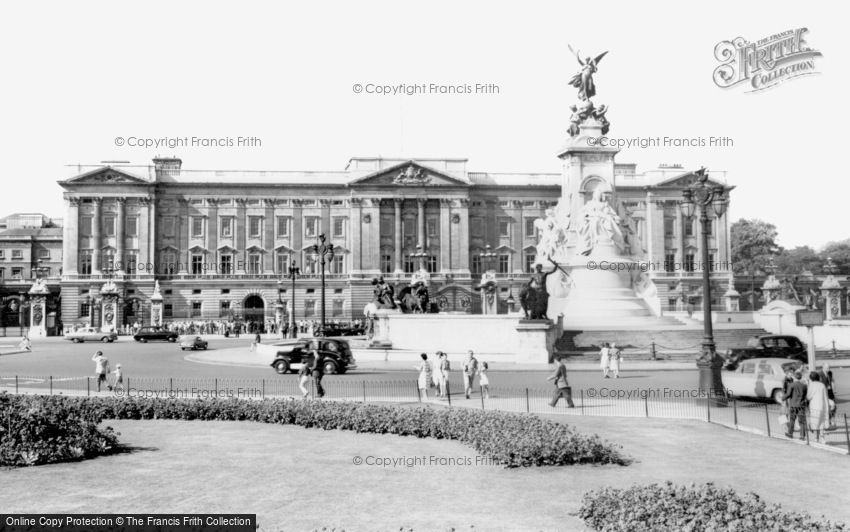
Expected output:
(294, 271)
(698, 198)
(322, 250)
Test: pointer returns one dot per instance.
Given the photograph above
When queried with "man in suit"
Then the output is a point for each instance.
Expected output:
(795, 399)
(317, 368)
(562, 387)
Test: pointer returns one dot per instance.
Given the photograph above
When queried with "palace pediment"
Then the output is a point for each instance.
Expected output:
(684, 180)
(408, 174)
(106, 175)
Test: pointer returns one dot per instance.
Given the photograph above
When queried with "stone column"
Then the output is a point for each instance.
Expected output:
(269, 221)
(420, 223)
(445, 236)
(517, 237)
(297, 235)
(71, 238)
(463, 236)
(356, 214)
(397, 203)
(650, 248)
(212, 236)
(241, 257)
(680, 252)
(95, 236)
(119, 233)
(144, 230)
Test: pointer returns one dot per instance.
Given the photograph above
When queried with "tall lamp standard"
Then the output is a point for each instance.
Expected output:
(294, 271)
(702, 196)
(322, 250)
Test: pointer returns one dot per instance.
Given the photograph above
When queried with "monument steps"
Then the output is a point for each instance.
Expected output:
(685, 339)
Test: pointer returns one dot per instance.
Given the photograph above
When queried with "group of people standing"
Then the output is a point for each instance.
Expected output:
(610, 357)
(436, 375)
(809, 399)
(102, 370)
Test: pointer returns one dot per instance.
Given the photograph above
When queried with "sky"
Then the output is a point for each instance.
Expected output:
(76, 76)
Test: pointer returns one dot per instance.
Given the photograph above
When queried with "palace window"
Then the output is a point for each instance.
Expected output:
(169, 263)
(167, 310)
(530, 230)
(197, 264)
(2, 254)
(337, 266)
(689, 226)
(282, 263)
(85, 310)
(85, 263)
(196, 309)
(255, 226)
(386, 263)
(130, 260)
(669, 226)
(476, 264)
(689, 262)
(226, 264)
(109, 225)
(387, 225)
(337, 307)
(86, 225)
(709, 226)
(17, 273)
(432, 227)
(409, 264)
(226, 223)
(670, 262)
(529, 262)
(254, 263)
(131, 226)
(309, 308)
(17, 254)
(283, 226)
(311, 264)
(168, 226)
(431, 265)
(504, 228)
(409, 227)
(223, 309)
(311, 226)
(339, 227)
(504, 263)
(197, 226)
(476, 226)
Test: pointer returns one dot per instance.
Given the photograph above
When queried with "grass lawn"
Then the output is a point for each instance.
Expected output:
(300, 479)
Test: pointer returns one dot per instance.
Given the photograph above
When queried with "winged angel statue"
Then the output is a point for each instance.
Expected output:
(583, 80)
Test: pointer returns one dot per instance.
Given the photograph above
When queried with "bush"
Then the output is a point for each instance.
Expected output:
(692, 508)
(511, 439)
(38, 430)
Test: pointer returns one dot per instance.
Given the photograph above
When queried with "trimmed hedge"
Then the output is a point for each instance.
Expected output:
(35, 430)
(511, 439)
(691, 508)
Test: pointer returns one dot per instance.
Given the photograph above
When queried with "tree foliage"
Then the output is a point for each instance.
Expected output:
(753, 243)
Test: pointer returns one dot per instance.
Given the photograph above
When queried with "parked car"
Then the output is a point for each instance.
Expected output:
(154, 333)
(91, 334)
(758, 377)
(768, 346)
(290, 355)
(192, 342)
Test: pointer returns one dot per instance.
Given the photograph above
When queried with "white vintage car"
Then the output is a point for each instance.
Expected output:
(90, 334)
(758, 377)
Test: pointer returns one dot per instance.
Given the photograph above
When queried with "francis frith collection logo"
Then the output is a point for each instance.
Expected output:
(764, 63)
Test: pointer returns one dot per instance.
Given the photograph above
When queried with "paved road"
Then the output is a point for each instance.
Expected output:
(60, 358)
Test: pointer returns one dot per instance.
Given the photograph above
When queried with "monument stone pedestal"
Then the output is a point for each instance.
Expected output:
(38, 308)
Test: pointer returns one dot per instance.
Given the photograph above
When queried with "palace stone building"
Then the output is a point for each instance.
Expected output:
(220, 243)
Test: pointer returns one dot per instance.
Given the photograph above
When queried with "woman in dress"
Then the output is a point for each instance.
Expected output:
(483, 380)
(425, 376)
(605, 359)
(616, 355)
(818, 406)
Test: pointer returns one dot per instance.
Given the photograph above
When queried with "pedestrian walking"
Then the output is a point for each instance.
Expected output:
(436, 372)
(257, 340)
(25, 344)
(303, 378)
(484, 380)
(470, 369)
(828, 380)
(445, 370)
(562, 386)
(118, 378)
(426, 378)
(616, 356)
(818, 402)
(605, 359)
(101, 367)
(796, 400)
(317, 369)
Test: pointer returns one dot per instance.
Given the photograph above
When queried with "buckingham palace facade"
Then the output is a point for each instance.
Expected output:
(220, 243)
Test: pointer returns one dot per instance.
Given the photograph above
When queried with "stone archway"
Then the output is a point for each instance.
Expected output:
(254, 310)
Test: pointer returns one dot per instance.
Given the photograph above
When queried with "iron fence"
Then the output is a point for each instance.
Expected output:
(758, 417)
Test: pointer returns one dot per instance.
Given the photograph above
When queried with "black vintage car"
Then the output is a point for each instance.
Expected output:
(768, 346)
(290, 355)
(155, 333)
